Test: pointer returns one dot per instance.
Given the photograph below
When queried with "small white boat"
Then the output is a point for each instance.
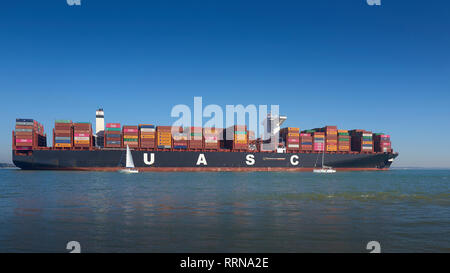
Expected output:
(129, 167)
(324, 169)
(129, 170)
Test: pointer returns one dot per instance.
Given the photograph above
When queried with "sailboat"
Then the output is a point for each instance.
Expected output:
(324, 169)
(129, 167)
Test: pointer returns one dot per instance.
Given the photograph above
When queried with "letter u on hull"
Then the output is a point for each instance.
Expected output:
(152, 159)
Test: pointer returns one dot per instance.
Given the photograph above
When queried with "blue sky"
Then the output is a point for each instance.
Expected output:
(381, 68)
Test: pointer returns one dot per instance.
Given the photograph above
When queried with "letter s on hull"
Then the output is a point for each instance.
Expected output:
(152, 159)
(250, 159)
(294, 160)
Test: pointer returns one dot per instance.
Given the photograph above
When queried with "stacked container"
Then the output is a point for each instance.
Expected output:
(180, 138)
(28, 134)
(306, 142)
(343, 141)
(367, 142)
(147, 134)
(361, 141)
(236, 137)
(251, 136)
(82, 134)
(382, 143)
(331, 138)
(318, 141)
(291, 137)
(164, 137)
(63, 134)
(211, 138)
(113, 136)
(195, 139)
(130, 136)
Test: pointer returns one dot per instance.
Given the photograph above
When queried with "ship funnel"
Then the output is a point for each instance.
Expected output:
(99, 121)
(99, 127)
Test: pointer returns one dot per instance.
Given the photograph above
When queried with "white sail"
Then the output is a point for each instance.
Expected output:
(130, 163)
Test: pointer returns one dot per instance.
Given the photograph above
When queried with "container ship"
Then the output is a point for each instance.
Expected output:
(165, 148)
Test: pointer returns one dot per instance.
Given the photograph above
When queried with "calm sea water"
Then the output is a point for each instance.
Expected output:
(404, 210)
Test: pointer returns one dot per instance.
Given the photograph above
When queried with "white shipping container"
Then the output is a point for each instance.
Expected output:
(150, 130)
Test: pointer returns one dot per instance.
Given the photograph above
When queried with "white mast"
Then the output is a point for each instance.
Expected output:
(323, 154)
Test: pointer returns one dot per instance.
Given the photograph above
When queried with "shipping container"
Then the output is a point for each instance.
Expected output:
(291, 137)
(28, 133)
(82, 135)
(63, 134)
(113, 137)
(361, 140)
(211, 138)
(164, 137)
(382, 143)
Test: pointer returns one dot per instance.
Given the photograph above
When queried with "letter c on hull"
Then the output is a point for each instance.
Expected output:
(294, 160)
(152, 159)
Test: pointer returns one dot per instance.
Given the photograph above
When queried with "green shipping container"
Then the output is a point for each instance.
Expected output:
(63, 121)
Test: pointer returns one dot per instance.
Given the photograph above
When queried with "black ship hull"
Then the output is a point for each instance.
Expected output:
(111, 160)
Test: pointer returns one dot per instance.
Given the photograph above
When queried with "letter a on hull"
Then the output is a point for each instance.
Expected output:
(201, 160)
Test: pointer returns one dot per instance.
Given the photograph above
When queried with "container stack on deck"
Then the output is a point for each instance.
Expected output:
(147, 135)
(82, 134)
(63, 134)
(318, 141)
(331, 138)
(180, 138)
(195, 139)
(113, 136)
(291, 136)
(164, 137)
(382, 143)
(361, 140)
(130, 136)
(28, 134)
(306, 142)
(236, 137)
(251, 136)
(211, 138)
(343, 141)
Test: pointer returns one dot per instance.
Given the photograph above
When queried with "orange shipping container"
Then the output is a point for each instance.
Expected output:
(67, 145)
